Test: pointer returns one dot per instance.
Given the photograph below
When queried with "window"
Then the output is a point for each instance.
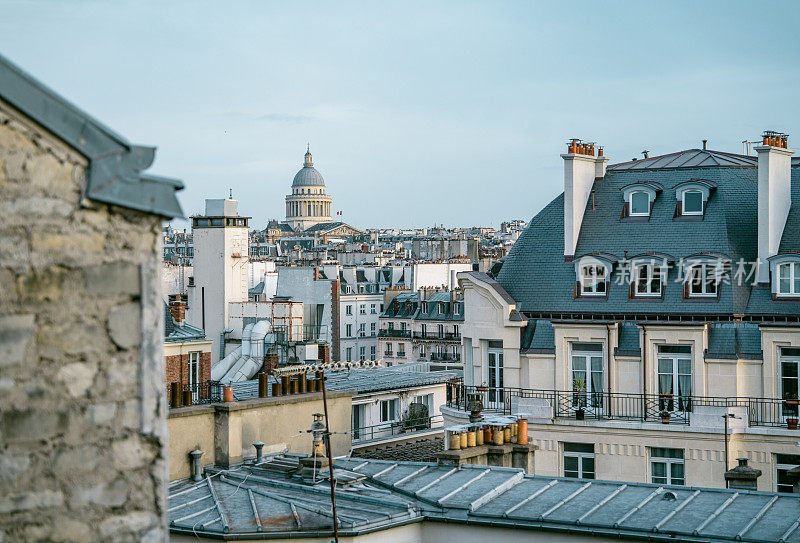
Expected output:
(783, 463)
(372, 351)
(349, 354)
(648, 279)
(495, 373)
(424, 329)
(373, 309)
(401, 350)
(362, 329)
(358, 420)
(381, 308)
(674, 378)
(579, 460)
(372, 328)
(362, 353)
(391, 325)
(456, 309)
(348, 330)
(666, 466)
(587, 374)
(389, 410)
(788, 279)
(703, 279)
(639, 204)
(362, 309)
(348, 310)
(593, 280)
(388, 351)
(441, 330)
(426, 400)
(422, 350)
(790, 380)
(455, 331)
(692, 202)
(403, 326)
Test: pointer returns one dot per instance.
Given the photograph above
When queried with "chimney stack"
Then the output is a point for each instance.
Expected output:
(743, 476)
(177, 308)
(581, 168)
(774, 196)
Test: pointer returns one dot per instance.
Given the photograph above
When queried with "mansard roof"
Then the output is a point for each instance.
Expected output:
(536, 275)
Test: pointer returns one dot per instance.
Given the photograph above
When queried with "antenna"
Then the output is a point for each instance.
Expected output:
(230, 194)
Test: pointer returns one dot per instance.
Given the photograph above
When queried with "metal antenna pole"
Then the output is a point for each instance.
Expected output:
(725, 417)
(330, 462)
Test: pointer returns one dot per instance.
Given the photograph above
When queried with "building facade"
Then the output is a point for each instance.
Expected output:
(643, 311)
(308, 204)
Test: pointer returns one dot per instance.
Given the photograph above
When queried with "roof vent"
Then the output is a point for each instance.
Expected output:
(705, 142)
(669, 496)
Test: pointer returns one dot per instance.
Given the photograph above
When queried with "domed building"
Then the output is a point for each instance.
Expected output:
(308, 204)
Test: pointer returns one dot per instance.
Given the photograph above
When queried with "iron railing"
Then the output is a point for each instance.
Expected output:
(297, 333)
(394, 333)
(396, 428)
(664, 408)
(201, 393)
(445, 357)
(448, 336)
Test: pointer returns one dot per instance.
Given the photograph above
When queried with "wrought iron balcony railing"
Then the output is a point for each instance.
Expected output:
(396, 428)
(664, 408)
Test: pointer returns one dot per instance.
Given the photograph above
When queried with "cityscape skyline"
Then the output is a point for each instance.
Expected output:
(416, 103)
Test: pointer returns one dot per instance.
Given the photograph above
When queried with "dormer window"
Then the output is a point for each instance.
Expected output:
(648, 279)
(593, 280)
(639, 204)
(788, 279)
(702, 279)
(692, 202)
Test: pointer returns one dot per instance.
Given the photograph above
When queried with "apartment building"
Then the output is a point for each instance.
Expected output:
(422, 326)
(647, 321)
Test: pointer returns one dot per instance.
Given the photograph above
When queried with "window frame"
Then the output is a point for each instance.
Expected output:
(631, 213)
(580, 456)
(683, 202)
(389, 410)
(651, 275)
(706, 268)
(595, 281)
(793, 279)
(668, 461)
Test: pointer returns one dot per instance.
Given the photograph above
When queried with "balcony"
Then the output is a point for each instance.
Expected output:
(435, 336)
(445, 357)
(665, 409)
(403, 428)
(395, 333)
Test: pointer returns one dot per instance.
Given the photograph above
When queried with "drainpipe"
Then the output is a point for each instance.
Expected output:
(222, 343)
(644, 372)
(608, 360)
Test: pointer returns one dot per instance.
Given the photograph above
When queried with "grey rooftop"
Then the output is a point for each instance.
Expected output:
(115, 174)
(271, 500)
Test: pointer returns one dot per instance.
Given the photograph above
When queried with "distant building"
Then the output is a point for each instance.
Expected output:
(308, 204)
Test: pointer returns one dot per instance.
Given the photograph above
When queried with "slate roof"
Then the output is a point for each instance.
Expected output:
(399, 307)
(270, 498)
(115, 174)
(536, 275)
(690, 158)
(174, 332)
(739, 340)
(360, 381)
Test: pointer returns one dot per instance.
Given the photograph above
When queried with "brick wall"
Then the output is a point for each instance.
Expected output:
(81, 367)
(177, 368)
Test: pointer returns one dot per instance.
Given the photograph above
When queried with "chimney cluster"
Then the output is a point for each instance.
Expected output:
(578, 147)
(774, 196)
(775, 139)
(581, 169)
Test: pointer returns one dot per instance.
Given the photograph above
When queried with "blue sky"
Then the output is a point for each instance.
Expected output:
(418, 113)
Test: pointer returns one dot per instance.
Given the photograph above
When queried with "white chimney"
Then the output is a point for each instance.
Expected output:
(581, 168)
(774, 196)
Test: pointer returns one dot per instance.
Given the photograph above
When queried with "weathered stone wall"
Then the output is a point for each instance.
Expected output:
(82, 421)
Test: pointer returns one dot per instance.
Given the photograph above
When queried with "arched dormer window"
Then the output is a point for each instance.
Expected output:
(639, 198)
(648, 275)
(702, 275)
(692, 196)
(592, 275)
(785, 272)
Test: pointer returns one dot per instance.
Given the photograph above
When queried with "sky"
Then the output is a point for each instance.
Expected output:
(417, 113)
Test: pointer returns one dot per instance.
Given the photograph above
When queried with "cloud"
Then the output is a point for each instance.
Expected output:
(284, 118)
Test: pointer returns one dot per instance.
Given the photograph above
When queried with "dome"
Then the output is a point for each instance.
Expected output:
(308, 176)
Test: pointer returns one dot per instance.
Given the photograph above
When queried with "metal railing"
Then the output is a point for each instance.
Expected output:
(448, 336)
(445, 357)
(396, 428)
(298, 333)
(664, 408)
(394, 333)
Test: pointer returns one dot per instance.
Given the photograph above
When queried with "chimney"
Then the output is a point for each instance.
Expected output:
(197, 471)
(705, 142)
(742, 476)
(581, 168)
(774, 196)
(177, 309)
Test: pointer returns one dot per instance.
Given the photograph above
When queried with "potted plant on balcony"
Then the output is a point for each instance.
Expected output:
(482, 387)
(579, 397)
(665, 415)
(790, 406)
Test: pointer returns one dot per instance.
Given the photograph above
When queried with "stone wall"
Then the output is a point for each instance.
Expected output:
(82, 429)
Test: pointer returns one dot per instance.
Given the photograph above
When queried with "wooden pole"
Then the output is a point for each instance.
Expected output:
(330, 462)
